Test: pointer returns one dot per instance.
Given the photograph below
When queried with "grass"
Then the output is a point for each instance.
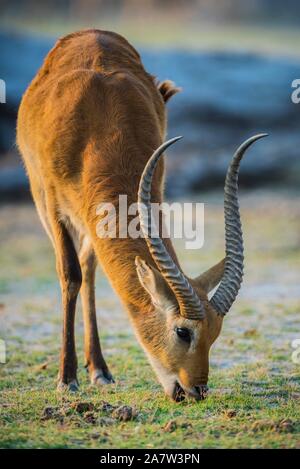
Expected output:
(254, 385)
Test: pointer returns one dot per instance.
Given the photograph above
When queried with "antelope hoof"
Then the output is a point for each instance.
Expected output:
(72, 386)
(101, 377)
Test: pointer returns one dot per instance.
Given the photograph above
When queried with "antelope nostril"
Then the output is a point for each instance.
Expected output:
(201, 390)
(178, 393)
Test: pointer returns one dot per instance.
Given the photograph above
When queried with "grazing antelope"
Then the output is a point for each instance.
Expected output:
(87, 127)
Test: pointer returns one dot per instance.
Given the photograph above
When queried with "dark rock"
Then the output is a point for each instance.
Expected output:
(90, 417)
(107, 407)
(50, 413)
(123, 413)
(82, 407)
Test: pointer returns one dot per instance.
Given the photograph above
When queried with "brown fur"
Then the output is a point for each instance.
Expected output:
(167, 89)
(87, 125)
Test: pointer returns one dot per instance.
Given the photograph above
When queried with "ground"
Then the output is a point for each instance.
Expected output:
(254, 384)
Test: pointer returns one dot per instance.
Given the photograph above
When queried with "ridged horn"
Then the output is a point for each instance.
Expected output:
(231, 281)
(189, 303)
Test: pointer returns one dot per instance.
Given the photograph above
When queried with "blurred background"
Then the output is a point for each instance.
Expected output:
(234, 60)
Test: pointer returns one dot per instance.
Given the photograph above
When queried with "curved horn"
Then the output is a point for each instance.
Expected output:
(189, 302)
(231, 281)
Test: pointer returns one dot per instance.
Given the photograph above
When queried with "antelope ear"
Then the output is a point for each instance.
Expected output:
(167, 89)
(211, 277)
(154, 283)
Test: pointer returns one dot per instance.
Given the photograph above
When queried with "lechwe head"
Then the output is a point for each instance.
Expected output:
(186, 322)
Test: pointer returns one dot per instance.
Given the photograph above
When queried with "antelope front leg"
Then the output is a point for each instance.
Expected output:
(69, 272)
(98, 370)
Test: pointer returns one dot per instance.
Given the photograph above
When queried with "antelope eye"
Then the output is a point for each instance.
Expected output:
(184, 334)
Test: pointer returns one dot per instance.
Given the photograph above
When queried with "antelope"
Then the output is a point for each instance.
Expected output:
(91, 126)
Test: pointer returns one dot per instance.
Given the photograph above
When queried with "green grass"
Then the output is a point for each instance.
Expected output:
(258, 409)
(254, 385)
